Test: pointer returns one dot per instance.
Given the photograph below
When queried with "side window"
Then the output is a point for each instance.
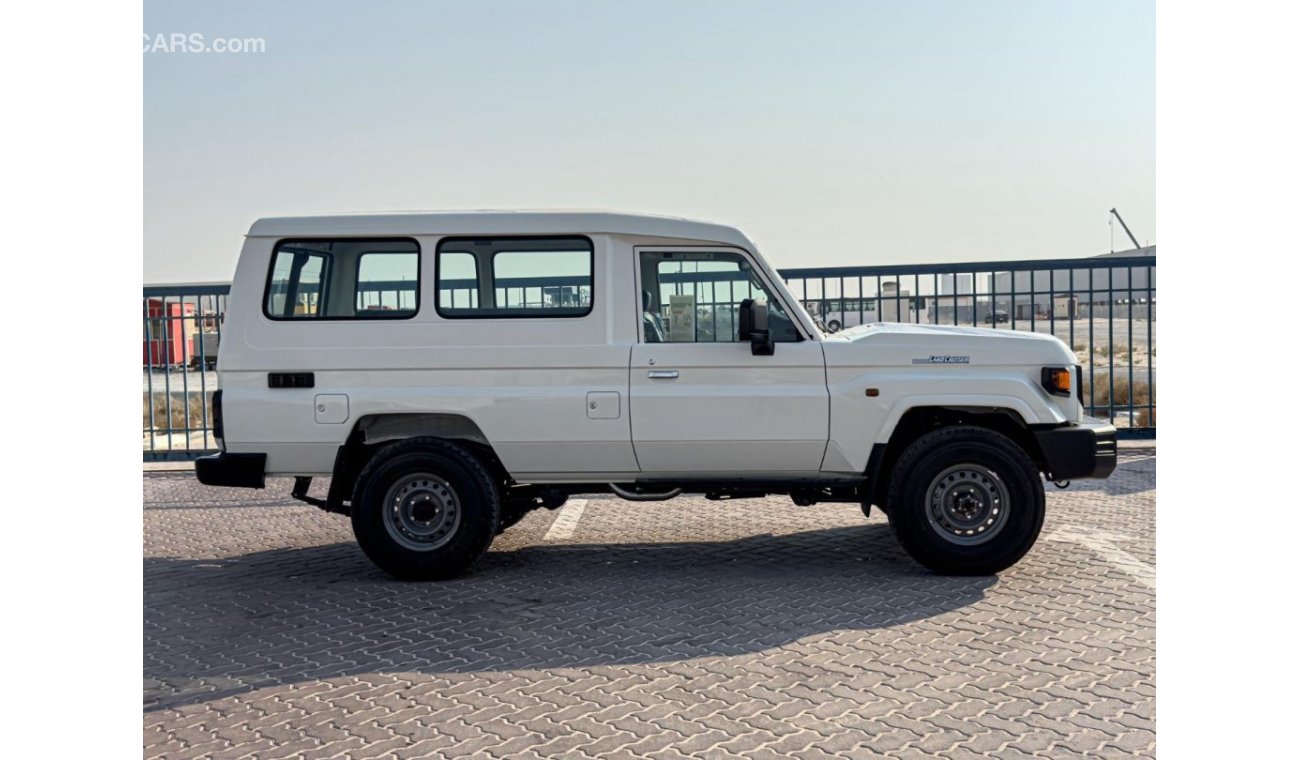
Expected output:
(297, 286)
(551, 280)
(387, 284)
(457, 280)
(692, 297)
(343, 278)
(515, 277)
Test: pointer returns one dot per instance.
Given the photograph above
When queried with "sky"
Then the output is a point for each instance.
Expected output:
(832, 133)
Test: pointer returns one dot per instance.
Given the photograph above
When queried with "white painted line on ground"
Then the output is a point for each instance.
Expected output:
(1103, 545)
(567, 521)
(168, 466)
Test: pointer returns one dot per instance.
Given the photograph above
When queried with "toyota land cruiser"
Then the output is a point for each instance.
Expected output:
(452, 371)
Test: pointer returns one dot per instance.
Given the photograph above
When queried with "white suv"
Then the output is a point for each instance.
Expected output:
(452, 371)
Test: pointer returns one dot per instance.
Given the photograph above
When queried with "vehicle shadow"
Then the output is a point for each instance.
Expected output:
(215, 628)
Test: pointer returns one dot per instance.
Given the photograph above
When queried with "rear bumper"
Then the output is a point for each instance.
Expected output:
(235, 470)
(1079, 451)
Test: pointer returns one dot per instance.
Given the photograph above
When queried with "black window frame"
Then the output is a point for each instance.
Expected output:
(480, 312)
(327, 277)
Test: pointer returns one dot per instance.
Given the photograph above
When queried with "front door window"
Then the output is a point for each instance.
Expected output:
(695, 297)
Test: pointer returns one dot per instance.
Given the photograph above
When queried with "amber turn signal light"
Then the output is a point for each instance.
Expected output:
(1057, 381)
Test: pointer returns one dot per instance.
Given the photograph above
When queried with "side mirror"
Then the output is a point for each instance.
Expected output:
(753, 327)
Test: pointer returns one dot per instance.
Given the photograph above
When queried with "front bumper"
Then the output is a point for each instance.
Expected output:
(1075, 452)
(237, 470)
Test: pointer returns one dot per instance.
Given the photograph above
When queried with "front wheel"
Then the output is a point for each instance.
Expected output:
(966, 501)
(424, 509)
(833, 325)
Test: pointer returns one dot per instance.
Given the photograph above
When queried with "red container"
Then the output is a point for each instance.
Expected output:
(168, 333)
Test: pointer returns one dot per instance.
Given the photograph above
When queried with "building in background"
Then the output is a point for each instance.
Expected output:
(169, 330)
(898, 305)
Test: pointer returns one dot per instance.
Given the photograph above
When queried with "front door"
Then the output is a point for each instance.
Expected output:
(701, 402)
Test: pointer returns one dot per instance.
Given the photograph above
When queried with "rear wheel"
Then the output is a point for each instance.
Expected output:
(424, 509)
(833, 325)
(966, 501)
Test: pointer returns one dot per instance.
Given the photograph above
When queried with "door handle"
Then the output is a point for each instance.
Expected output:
(663, 374)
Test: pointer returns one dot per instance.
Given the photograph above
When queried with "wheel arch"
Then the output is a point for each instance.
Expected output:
(385, 428)
(1007, 399)
(374, 431)
(919, 420)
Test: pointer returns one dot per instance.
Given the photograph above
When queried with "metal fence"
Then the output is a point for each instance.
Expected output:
(1103, 308)
(182, 335)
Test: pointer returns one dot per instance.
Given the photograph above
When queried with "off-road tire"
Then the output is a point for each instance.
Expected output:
(912, 485)
(477, 503)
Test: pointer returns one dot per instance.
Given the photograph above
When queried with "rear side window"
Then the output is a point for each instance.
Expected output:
(515, 277)
(297, 286)
(457, 280)
(387, 282)
(343, 279)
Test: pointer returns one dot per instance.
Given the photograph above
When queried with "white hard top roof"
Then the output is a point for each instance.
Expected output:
(575, 222)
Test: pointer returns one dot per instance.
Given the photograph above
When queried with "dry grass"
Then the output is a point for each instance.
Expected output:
(179, 402)
(1119, 355)
(1101, 393)
(1138, 394)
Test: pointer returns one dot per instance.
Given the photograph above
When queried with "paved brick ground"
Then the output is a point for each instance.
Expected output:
(691, 628)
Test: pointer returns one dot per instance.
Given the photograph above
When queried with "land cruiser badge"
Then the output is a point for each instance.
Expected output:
(943, 360)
